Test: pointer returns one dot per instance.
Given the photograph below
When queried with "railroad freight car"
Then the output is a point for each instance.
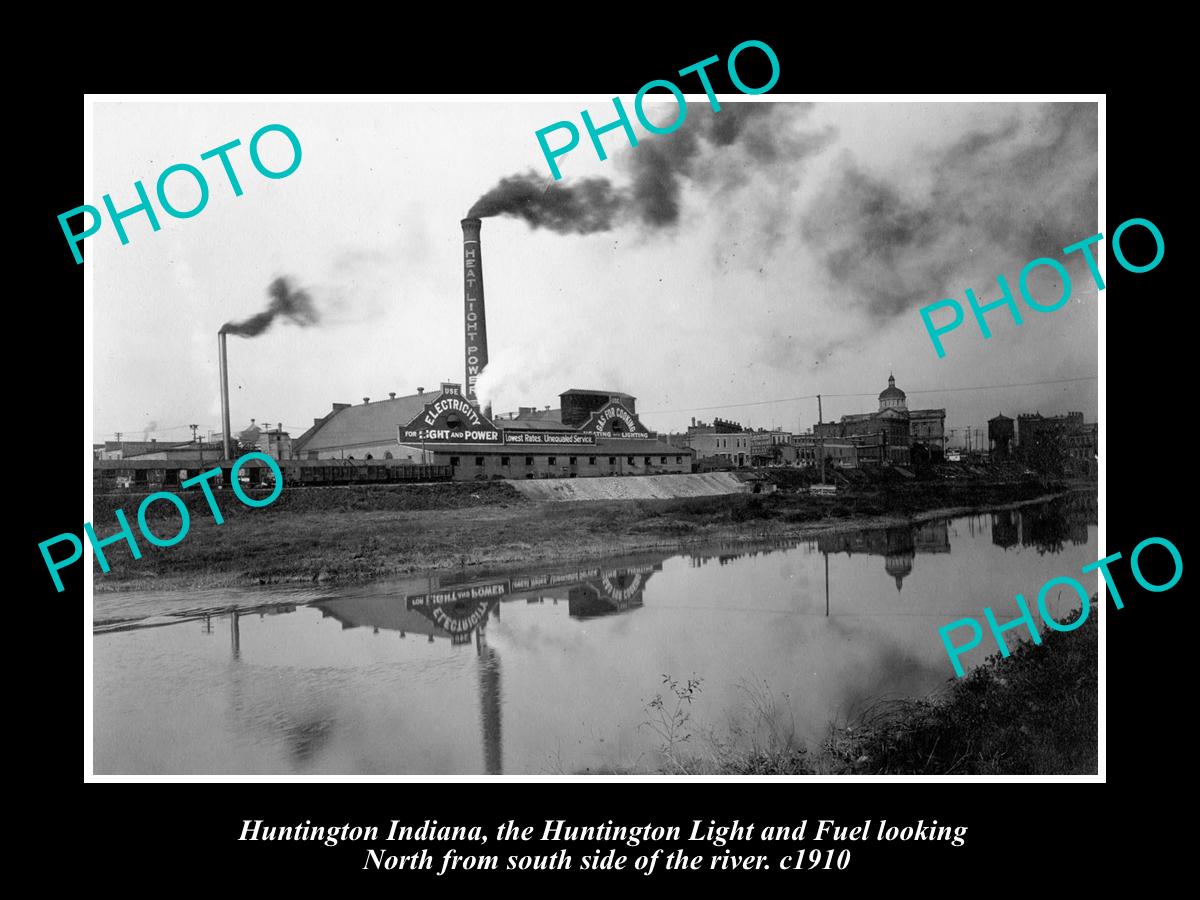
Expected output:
(109, 475)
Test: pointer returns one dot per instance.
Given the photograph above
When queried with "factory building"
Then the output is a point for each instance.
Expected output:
(364, 432)
(591, 433)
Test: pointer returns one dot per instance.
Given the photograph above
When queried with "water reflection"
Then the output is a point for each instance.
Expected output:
(897, 546)
(1046, 528)
(391, 688)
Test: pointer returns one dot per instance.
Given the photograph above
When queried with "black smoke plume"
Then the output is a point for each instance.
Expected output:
(588, 205)
(953, 219)
(703, 149)
(293, 304)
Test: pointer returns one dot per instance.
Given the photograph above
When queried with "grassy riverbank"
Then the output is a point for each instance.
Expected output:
(1033, 713)
(357, 533)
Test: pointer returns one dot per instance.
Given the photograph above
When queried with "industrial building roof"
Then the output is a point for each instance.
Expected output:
(548, 420)
(131, 448)
(364, 424)
(602, 447)
(599, 393)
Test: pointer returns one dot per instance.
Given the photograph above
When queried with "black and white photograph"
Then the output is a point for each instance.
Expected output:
(711, 434)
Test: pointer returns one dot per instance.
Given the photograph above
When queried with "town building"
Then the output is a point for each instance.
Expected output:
(769, 448)
(810, 447)
(1068, 437)
(893, 433)
(721, 442)
(727, 448)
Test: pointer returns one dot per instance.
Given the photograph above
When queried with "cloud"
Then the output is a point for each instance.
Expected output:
(896, 241)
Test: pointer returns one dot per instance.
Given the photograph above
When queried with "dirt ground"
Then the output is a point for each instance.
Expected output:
(322, 535)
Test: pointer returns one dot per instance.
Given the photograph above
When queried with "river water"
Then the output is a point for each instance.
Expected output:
(553, 670)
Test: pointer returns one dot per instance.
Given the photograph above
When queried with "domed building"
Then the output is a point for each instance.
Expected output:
(893, 432)
(891, 397)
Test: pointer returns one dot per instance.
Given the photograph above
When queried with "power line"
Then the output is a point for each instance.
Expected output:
(982, 387)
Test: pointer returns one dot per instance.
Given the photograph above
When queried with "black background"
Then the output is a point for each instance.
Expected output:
(1021, 833)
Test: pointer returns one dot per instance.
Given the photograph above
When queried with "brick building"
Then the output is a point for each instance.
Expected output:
(893, 432)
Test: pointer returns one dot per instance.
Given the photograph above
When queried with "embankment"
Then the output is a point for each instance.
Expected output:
(356, 533)
(645, 487)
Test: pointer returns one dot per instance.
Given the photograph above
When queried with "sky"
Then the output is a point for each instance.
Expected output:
(769, 251)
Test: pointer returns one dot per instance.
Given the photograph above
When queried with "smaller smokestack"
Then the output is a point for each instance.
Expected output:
(420, 390)
(391, 395)
(226, 445)
(366, 400)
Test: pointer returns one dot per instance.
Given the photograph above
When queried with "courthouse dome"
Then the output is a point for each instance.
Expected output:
(891, 396)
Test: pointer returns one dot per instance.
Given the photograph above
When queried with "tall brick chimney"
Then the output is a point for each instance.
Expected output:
(476, 323)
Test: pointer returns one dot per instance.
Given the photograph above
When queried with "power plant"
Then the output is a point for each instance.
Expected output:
(592, 432)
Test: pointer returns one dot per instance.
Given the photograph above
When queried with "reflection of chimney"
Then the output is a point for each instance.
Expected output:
(476, 324)
(226, 446)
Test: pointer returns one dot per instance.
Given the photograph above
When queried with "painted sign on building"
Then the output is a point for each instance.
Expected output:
(476, 327)
(548, 437)
(615, 421)
(450, 418)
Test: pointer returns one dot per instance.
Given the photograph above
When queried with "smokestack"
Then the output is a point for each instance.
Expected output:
(476, 330)
(226, 446)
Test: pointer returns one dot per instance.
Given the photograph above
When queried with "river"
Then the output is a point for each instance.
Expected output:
(553, 670)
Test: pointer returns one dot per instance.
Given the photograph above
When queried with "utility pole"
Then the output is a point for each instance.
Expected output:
(821, 438)
(199, 443)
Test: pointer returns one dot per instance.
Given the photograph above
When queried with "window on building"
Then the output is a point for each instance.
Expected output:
(504, 460)
(662, 459)
(529, 460)
(479, 460)
(388, 455)
(679, 459)
(573, 460)
(647, 459)
(612, 460)
(591, 460)
(369, 456)
(453, 460)
(553, 460)
(630, 460)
